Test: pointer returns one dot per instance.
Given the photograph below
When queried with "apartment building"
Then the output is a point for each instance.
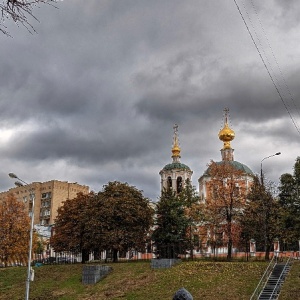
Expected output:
(49, 196)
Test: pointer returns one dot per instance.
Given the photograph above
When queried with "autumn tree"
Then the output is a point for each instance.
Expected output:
(71, 226)
(261, 219)
(172, 223)
(116, 219)
(19, 11)
(124, 219)
(14, 231)
(225, 201)
(289, 198)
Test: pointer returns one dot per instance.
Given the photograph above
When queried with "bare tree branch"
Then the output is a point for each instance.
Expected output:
(19, 11)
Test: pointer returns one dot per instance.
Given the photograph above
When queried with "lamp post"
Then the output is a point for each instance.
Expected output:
(31, 196)
(263, 190)
(261, 169)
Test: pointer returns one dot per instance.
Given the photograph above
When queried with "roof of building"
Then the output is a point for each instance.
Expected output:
(235, 164)
(176, 165)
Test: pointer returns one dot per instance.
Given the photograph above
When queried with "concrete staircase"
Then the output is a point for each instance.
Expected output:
(272, 287)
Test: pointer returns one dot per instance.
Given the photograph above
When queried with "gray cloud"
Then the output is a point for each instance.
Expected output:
(94, 95)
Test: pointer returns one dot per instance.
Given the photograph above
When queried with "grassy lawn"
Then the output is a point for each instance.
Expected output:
(291, 288)
(137, 281)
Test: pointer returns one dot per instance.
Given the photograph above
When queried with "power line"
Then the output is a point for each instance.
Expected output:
(266, 67)
(273, 54)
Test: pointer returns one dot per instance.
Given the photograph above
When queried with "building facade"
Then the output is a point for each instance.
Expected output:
(214, 236)
(48, 197)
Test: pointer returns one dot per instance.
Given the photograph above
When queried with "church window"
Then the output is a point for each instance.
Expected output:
(179, 184)
(169, 182)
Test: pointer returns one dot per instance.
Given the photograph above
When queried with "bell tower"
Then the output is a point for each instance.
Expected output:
(174, 175)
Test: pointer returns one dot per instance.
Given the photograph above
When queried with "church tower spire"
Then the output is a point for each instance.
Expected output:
(226, 135)
(176, 149)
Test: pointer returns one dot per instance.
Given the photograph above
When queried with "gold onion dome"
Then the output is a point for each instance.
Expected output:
(176, 150)
(226, 134)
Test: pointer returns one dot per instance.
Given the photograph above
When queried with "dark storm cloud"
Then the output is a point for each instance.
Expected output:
(78, 146)
(94, 95)
(247, 93)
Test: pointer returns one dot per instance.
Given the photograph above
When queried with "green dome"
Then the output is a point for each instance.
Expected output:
(235, 164)
(176, 165)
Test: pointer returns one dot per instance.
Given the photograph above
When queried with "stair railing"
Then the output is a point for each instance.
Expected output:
(264, 279)
(281, 278)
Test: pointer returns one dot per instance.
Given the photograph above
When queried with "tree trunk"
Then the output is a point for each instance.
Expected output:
(115, 255)
(229, 249)
(267, 253)
(229, 245)
(191, 243)
(97, 254)
(5, 261)
(85, 256)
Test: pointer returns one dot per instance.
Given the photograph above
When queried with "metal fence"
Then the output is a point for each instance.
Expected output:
(69, 257)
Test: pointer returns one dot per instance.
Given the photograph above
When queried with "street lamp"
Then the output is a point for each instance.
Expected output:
(31, 195)
(261, 169)
(265, 212)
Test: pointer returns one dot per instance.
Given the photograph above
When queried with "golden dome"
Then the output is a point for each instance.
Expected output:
(226, 134)
(176, 150)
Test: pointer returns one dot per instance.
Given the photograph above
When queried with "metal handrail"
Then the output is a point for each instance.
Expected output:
(267, 274)
(280, 277)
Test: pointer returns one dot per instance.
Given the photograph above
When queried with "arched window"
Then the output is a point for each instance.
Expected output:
(179, 184)
(169, 182)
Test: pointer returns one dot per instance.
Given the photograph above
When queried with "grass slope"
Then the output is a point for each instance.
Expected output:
(137, 281)
(291, 287)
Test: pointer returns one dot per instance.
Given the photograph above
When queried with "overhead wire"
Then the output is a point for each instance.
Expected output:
(274, 57)
(267, 68)
(261, 46)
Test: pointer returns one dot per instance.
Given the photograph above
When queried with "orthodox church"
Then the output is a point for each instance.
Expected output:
(175, 174)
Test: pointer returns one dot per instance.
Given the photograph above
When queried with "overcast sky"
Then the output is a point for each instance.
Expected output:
(93, 96)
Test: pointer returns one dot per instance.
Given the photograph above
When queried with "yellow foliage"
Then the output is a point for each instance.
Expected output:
(14, 231)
